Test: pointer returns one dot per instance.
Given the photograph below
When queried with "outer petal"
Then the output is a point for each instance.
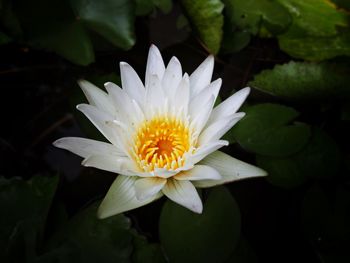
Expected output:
(230, 169)
(183, 193)
(229, 106)
(207, 149)
(217, 129)
(121, 197)
(201, 77)
(86, 147)
(109, 163)
(131, 83)
(154, 93)
(199, 172)
(147, 187)
(99, 119)
(155, 65)
(96, 96)
(172, 77)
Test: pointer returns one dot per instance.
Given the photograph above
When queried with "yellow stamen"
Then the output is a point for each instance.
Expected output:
(161, 143)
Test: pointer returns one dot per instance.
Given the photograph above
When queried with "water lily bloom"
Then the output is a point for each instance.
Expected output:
(163, 135)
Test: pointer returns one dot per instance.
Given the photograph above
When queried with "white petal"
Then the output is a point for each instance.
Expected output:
(99, 119)
(109, 163)
(207, 149)
(201, 77)
(86, 147)
(230, 105)
(183, 193)
(131, 83)
(125, 108)
(217, 129)
(96, 96)
(147, 187)
(199, 172)
(201, 119)
(230, 169)
(155, 65)
(121, 197)
(172, 77)
(154, 94)
(182, 96)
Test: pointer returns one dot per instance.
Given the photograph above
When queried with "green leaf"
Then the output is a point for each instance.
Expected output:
(26, 204)
(318, 160)
(235, 41)
(302, 80)
(113, 19)
(266, 130)
(209, 237)
(85, 238)
(319, 30)
(145, 252)
(206, 17)
(249, 15)
(144, 7)
(316, 48)
(318, 18)
(54, 27)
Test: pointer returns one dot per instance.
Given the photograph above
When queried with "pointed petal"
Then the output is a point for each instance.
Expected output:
(154, 94)
(199, 172)
(147, 187)
(131, 83)
(155, 65)
(172, 77)
(207, 149)
(217, 129)
(182, 95)
(201, 119)
(125, 107)
(99, 119)
(183, 193)
(96, 96)
(109, 163)
(121, 197)
(230, 105)
(230, 169)
(86, 147)
(201, 77)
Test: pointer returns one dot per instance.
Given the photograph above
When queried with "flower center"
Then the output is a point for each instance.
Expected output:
(161, 143)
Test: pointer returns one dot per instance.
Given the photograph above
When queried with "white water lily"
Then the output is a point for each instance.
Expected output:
(163, 135)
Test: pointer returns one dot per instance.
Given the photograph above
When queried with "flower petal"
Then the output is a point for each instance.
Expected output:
(109, 163)
(201, 77)
(229, 106)
(131, 83)
(147, 187)
(86, 147)
(127, 110)
(182, 97)
(217, 129)
(172, 77)
(121, 197)
(200, 120)
(183, 193)
(154, 95)
(230, 169)
(99, 119)
(207, 149)
(155, 65)
(199, 172)
(96, 96)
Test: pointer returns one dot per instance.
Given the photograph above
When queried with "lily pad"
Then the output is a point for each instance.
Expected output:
(209, 237)
(267, 130)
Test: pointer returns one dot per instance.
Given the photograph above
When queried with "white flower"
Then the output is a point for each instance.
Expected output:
(163, 135)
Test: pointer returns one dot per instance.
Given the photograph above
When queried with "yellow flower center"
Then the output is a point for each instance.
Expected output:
(161, 143)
